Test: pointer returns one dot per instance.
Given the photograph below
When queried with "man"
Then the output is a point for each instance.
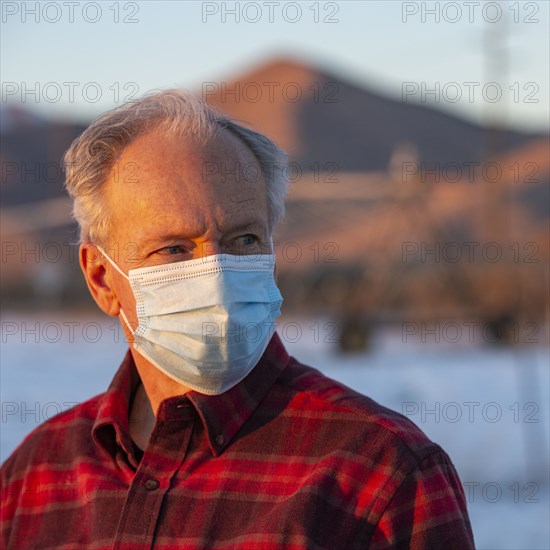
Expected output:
(210, 435)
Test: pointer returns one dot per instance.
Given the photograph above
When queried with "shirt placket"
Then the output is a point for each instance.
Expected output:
(166, 450)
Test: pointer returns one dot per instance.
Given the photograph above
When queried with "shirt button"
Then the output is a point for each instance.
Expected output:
(152, 484)
(220, 439)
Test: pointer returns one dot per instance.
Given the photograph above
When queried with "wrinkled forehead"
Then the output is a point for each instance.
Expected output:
(162, 179)
(159, 152)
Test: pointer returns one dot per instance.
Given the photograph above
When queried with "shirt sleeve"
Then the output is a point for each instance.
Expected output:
(427, 511)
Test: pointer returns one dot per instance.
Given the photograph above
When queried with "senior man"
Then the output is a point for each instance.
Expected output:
(210, 435)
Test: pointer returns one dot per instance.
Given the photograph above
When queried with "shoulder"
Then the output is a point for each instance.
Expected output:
(392, 469)
(56, 440)
(375, 428)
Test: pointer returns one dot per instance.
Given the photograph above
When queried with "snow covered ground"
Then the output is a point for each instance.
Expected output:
(487, 407)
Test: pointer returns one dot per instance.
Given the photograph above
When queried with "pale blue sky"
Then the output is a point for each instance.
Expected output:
(181, 43)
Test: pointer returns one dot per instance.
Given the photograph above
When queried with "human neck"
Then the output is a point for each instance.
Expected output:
(142, 418)
(154, 388)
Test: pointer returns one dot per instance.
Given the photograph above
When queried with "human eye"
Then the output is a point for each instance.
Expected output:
(247, 240)
(172, 250)
(244, 244)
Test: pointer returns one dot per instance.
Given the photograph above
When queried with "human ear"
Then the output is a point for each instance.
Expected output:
(99, 281)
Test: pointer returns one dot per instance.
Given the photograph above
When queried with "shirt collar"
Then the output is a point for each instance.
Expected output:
(221, 415)
(111, 424)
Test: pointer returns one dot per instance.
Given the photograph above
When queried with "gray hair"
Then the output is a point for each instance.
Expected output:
(91, 156)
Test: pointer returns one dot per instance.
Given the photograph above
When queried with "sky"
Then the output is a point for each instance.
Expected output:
(74, 60)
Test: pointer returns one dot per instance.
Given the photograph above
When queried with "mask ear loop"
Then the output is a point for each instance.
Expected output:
(125, 319)
(111, 261)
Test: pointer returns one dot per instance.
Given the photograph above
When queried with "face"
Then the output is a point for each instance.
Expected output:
(182, 201)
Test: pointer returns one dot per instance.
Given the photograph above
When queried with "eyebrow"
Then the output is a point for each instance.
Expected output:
(172, 236)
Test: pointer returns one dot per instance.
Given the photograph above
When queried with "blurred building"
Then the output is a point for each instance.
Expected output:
(395, 210)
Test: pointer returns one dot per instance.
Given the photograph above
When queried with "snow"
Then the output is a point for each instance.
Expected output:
(488, 407)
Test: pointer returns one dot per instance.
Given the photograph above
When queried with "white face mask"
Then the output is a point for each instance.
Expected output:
(205, 323)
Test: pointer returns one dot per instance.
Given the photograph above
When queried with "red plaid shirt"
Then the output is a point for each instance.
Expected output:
(288, 458)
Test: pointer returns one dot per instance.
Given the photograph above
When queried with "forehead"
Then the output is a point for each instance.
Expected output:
(161, 182)
(158, 150)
